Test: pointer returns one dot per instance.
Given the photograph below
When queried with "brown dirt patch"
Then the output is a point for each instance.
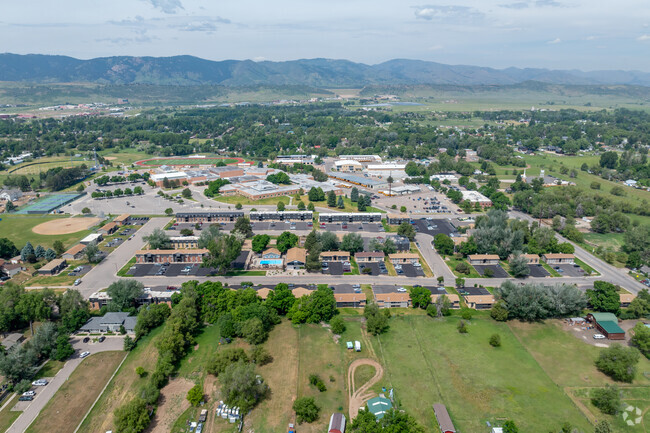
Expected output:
(110, 158)
(171, 405)
(358, 396)
(65, 226)
(71, 402)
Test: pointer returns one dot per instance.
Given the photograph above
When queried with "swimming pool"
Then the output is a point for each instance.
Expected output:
(271, 262)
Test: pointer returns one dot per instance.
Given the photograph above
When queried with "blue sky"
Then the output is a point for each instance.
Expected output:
(557, 34)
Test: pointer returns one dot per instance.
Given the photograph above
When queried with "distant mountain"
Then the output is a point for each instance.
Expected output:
(188, 70)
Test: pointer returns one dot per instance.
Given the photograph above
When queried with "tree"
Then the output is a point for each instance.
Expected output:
(132, 417)
(8, 249)
(306, 410)
(158, 240)
(329, 241)
(641, 339)
(519, 265)
(35, 306)
(223, 358)
(609, 160)
(10, 206)
(286, 240)
(390, 181)
(187, 193)
(241, 387)
(123, 294)
(74, 310)
(311, 206)
(208, 234)
(462, 327)
(618, 362)
(495, 340)
(85, 211)
(316, 194)
(169, 211)
(604, 297)
(281, 207)
(243, 226)
(91, 251)
(129, 343)
(301, 205)
(59, 248)
(281, 299)
(223, 251)
(50, 254)
(338, 325)
(260, 242)
(352, 242)
(354, 195)
(331, 199)
(319, 306)
(376, 322)
(340, 203)
(603, 427)
(279, 178)
(27, 252)
(444, 244)
(499, 311)
(420, 297)
(532, 302)
(195, 395)
(405, 229)
(607, 399)
(510, 427)
(63, 349)
(253, 331)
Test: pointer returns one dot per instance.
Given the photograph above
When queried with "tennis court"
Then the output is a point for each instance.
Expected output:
(49, 203)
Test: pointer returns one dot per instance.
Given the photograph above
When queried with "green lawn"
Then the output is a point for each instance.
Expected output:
(18, 229)
(470, 377)
(8, 416)
(50, 369)
(452, 262)
(207, 342)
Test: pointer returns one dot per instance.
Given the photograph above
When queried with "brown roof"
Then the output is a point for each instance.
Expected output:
(299, 292)
(397, 215)
(393, 297)
(404, 256)
(479, 299)
(371, 254)
(349, 297)
(271, 251)
(264, 292)
(444, 420)
(121, 218)
(108, 226)
(76, 249)
(453, 298)
(559, 256)
(296, 254)
(51, 265)
(182, 251)
(335, 253)
(627, 297)
(483, 257)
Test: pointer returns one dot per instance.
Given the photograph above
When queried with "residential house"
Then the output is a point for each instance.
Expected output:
(123, 220)
(347, 296)
(559, 259)
(149, 296)
(208, 217)
(533, 259)
(402, 243)
(110, 322)
(299, 292)
(443, 418)
(10, 194)
(337, 423)
(370, 257)
(271, 253)
(296, 258)
(436, 292)
(483, 259)
(335, 256)
(53, 267)
(184, 242)
(12, 340)
(478, 298)
(109, 228)
(74, 253)
(11, 269)
(404, 258)
(389, 297)
(626, 299)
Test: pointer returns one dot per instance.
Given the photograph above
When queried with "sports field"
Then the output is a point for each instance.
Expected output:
(18, 229)
(49, 203)
(157, 162)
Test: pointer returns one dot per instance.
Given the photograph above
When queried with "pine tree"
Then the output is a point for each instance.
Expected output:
(340, 204)
(27, 250)
(50, 254)
(331, 199)
(39, 252)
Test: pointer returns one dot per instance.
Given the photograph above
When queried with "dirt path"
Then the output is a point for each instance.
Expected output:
(358, 397)
(171, 405)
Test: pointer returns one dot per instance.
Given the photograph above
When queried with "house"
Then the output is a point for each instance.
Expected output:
(299, 292)
(533, 259)
(10, 194)
(306, 215)
(109, 228)
(645, 270)
(626, 299)
(350, 217)
(271, 253)
(149, 296)
(389, 297)
(12, 340)
(436, 292)
(378, 406)
(184, 242)
(335, 256)
(607, 324)
(478, 298)
(123, 219)
(93, 237)
(171, 256)
(110, 322)
(53, 267)
(337, 423)
(397, 219)
(559, 259)
(404, 258)
(347, 296)
(629, 182)
(443, 418)
(74, 253)
(483, 259)
(296, 258)
(371, 257)
(11, 269)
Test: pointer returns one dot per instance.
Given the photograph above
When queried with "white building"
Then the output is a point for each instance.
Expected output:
(387, 169)
(348, 165)
(445, 176)
(476, 197)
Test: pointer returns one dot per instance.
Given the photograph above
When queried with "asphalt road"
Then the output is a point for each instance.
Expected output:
(31, 409)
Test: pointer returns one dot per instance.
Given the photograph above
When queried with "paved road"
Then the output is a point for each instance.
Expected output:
(436, 263)
(31, 409)
(106, 272)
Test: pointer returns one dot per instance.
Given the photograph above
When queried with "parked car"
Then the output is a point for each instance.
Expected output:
(101, 339)
(25, 398)
(599, 336)
(40, 382)
(84, 354)
(29, 393)
(85, 340)
(77, 281)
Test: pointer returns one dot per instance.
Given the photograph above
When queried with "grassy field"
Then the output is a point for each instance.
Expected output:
(187, 161)
(50, 369)
(124, 385)
(453, 262)
(67, 407)
(8, 416)
(467, 374)
(18, 228)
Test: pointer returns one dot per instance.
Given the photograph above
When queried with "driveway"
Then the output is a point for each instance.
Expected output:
(31, 409)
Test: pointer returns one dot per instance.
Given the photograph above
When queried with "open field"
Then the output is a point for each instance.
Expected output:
(467, 374)
(18, 228)
(8, 416)
(44, 164)
(67, 407)
(187, 161)
(65, 226)
(124, 385)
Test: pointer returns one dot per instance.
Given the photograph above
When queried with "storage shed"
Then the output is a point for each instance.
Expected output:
(607, 324)
(337, 423)
(444, 420)
(379, 406)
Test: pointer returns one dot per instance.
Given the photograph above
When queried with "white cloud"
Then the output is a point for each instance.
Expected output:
(643, 38)
(447, 13)
(555, 41)
(435, 48)
(167, 6)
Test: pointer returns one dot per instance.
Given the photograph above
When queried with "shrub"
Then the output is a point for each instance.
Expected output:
(488, 273)
(224, 358)
(315, 380)
(466, 313)
(462, 268)
(129, 343)
(338, 325)
(607, 399)
(260, 356)
(499, 311)
(140, 371)
(306, 410)
(195, 395)
(618, 362)
(462, 327)
(495, 340)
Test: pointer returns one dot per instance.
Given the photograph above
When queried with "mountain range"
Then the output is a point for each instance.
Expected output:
(328, 73)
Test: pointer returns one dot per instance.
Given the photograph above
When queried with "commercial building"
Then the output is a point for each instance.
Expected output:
(295, 159)
(363, 181)
(171, 256)
(445, 176)
(378, 406)
(607, 324)
(74, 253)
(483, 259)
(559, 259)
(341, 217)
(387, 169)
(184, 242)
(362, 158)
(476, 197)
(53, 267)
(159, 178)
(123, 219)
(109, 228)
(208, 217)
(348, 165)
(401, 190)
(281, 216)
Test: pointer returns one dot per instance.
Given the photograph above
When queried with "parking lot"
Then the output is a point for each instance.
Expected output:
(378, 268)
(78, 271)
(434, 226)
(333, 268)
(173, 270)
(569, 270)
(411, 271)
(538, 271)
(435, 203)
(497, 270)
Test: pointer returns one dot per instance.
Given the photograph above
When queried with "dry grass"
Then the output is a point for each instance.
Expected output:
(171, 405)
(65, 410)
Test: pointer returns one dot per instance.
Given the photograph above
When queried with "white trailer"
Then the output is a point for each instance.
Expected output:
(357, 346)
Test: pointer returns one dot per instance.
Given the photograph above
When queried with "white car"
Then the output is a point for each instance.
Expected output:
(599, 336)
(29, 394)
(84, 354)
(40, 382)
